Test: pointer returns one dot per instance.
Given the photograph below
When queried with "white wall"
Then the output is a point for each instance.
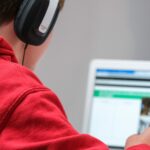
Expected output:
(89, 29)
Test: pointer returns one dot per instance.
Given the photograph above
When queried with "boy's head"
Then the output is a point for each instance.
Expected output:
(8, 11)
(9, 8)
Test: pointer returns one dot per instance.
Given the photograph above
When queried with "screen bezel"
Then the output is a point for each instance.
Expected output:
(136, 65)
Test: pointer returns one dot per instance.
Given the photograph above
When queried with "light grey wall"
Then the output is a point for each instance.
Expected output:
(90, 29)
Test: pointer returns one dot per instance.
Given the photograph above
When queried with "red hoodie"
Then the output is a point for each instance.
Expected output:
(31, 115)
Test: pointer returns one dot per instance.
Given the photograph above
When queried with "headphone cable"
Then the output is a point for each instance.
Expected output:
(25, 48)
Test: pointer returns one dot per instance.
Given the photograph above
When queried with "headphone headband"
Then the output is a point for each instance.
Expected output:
(35, 20)
(48, 16)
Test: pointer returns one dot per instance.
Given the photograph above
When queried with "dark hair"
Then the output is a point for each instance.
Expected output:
(9, 8)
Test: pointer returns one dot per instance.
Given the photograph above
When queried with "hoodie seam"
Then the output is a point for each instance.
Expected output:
(20, 98)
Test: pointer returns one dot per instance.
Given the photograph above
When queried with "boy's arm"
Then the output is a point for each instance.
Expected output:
(39, 123)
(139, 147)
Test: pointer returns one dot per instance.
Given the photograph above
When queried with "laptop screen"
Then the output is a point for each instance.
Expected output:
(120, 105)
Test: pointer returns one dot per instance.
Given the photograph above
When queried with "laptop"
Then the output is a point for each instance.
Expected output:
(118, 100)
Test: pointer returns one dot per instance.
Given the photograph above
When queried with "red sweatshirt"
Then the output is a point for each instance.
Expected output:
(31, 115)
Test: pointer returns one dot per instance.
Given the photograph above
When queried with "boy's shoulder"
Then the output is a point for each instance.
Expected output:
(15, 81)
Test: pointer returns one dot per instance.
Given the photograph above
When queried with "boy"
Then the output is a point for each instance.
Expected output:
(31, 115)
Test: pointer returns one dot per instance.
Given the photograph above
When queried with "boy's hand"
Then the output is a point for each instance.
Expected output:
(143, 138)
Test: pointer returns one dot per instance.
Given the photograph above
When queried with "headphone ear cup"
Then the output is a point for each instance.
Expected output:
(29, 19)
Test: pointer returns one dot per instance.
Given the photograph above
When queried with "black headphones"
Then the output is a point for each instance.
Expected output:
(35, 20)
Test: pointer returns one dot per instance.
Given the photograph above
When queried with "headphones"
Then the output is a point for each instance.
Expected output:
(35, 20)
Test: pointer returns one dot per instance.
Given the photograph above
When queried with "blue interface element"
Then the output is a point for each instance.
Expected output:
(112, 71)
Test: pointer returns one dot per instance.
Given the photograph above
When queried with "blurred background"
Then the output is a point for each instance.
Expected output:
(89, 29)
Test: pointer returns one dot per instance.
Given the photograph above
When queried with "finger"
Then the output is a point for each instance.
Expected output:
(132, 140)
(132, 137)
(146, 131)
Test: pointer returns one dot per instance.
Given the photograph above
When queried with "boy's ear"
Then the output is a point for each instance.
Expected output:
(43, 14)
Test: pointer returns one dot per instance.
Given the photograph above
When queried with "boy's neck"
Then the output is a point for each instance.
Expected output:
(6, 31)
